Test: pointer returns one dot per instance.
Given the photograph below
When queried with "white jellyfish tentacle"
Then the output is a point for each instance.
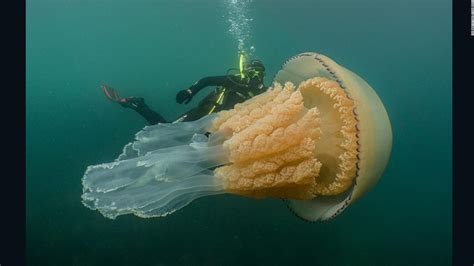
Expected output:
(163, 170)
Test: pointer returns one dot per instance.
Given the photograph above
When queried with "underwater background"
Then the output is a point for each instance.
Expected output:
(153, 49)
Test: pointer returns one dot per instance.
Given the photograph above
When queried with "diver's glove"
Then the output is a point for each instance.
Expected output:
(184, 96)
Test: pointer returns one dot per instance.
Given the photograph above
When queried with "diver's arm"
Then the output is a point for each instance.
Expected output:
(187, 94)
(208, 81)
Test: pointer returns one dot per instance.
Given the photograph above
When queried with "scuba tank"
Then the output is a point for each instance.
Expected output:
(215, 101)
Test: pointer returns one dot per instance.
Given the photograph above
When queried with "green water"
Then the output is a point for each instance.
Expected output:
(155, 48)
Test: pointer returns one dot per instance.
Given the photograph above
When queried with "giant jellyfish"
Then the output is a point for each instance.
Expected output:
(319, 138)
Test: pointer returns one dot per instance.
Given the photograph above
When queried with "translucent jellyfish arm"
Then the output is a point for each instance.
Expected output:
(154, 178)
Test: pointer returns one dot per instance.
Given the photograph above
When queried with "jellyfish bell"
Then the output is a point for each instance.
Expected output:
(318, 138)
(374, 133)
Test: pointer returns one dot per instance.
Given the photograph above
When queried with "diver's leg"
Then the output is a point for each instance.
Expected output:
(135, 103)
(138, 105)
(191, 115)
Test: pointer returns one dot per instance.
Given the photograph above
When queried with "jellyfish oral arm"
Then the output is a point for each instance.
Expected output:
(153, 182)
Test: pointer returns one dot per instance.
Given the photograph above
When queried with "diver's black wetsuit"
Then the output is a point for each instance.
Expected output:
(230, 90)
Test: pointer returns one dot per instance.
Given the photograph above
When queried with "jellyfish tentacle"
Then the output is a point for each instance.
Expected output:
(157, 182)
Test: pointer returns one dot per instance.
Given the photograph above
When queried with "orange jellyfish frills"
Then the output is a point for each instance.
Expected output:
(288, 143)
(337, 148)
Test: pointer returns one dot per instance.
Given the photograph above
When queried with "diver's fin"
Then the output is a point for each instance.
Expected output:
(130, 102)
(112, 94)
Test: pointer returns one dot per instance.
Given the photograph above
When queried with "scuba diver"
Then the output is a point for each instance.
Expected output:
(230, 90)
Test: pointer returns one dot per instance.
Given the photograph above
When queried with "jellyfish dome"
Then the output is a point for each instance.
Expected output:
(319, 138)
